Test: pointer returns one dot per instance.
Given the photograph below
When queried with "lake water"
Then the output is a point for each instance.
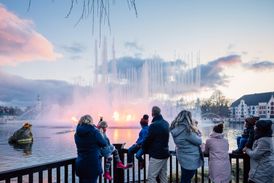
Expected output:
(52, 143)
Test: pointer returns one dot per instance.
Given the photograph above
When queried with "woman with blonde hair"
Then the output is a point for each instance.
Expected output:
(187, 140)
(88, 142)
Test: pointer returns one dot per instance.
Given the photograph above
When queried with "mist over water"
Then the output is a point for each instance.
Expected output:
(122, 90)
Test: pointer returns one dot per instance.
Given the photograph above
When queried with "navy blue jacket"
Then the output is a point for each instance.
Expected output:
(88, 142)
(156, 142)
(249, 134)
(142, 135)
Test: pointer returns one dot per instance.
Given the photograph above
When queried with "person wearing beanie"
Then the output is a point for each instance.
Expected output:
(137, 147)
(247, 137)
(88, 141)
(108, 151)
(217, 147)
(262, 154)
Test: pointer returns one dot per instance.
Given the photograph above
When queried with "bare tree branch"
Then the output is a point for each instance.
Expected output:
(97, 9)
(29, 5)
(70, 9)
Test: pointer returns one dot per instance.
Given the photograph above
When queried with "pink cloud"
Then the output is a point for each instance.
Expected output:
(229, 61)
(19, 42)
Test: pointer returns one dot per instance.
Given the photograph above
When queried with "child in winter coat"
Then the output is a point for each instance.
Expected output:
(247, 138)
(137, 147)
(108, 151)
(262, 154)
(219, 164)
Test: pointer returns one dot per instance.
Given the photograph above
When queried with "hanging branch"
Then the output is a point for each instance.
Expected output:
(29, 5)
(97, 9)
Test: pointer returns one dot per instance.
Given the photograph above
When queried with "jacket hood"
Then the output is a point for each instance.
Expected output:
(156, 118)
(216, 135)
(178, 130)
(83, 130)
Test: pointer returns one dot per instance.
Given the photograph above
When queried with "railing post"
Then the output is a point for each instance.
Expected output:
(118, 172)
(246, 167)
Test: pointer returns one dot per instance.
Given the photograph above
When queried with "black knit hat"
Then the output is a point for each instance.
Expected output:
(263, 129)
(144, 120)
(145, 116)
(219, 128)
(264, 124)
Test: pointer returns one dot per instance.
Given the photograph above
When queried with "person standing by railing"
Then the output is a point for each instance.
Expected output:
(88, 142)
(262, 154)
(217, 147)
(156, 145)
(187, 140)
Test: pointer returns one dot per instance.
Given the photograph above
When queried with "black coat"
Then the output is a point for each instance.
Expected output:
(156, 142)
(249, 134)
(88, 142)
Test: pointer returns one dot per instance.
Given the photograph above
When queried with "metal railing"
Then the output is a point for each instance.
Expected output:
(64, 171)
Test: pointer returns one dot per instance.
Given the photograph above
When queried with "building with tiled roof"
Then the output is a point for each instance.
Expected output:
(258, 104)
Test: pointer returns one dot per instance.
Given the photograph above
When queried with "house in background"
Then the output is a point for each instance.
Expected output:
(258, 104)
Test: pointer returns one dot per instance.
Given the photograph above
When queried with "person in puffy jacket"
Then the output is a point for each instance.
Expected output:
(187, 140)
(217, 147)
(88, 142)
(137, 147)
(247, 137)
(262, 154)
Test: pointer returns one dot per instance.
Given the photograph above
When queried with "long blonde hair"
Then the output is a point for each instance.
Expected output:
(184, 118)
(86, 119)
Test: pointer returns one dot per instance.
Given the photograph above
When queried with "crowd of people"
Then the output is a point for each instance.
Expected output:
(256, 141)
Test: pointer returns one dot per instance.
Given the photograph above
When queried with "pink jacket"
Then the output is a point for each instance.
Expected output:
(218, 164)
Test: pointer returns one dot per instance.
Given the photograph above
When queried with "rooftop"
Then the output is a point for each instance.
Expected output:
(254, 99)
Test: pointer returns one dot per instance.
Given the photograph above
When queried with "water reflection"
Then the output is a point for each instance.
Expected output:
(57, 143)
(120, 136)
(25, 148)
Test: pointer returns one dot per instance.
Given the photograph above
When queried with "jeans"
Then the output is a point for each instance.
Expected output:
(241, 141)
(135, 149)
(94, 180)
(186, 175)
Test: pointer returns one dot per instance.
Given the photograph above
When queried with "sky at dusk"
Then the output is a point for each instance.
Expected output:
(41, 47)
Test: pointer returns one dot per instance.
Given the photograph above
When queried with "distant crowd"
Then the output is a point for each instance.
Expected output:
(256, 141)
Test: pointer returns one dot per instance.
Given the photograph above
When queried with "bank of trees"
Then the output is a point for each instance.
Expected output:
(10, 111)
(216, 104)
